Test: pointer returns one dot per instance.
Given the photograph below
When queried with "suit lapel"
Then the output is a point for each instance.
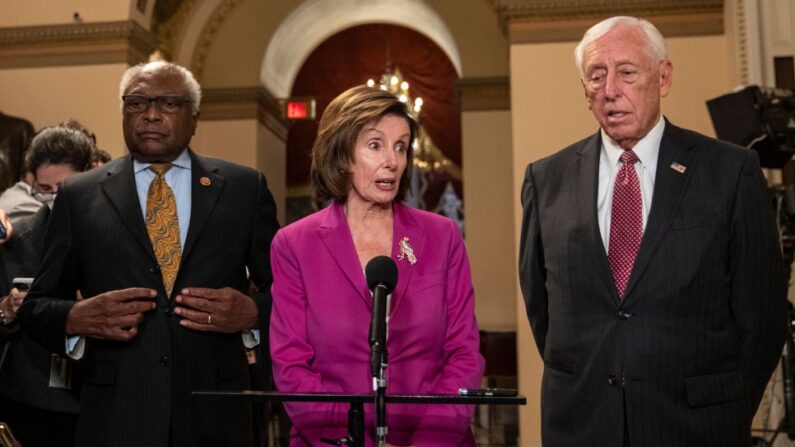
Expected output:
(669, 185)
(405, 228)
(336, 236)
(584, 183)
(206, 186)
(119, 188)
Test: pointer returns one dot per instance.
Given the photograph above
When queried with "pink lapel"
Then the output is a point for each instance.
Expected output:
(405, 226)
(336, 236)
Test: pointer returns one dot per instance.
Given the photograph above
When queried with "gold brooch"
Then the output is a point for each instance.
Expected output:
(205, 181)
(406, 252)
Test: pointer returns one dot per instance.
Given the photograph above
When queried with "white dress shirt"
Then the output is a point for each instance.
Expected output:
(647, 150)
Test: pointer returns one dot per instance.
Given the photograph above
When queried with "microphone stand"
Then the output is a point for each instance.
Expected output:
(379, 386)
(378, 362)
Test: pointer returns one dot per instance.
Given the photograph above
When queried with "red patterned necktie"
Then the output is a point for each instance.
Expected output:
(162, 224)
(626, 222)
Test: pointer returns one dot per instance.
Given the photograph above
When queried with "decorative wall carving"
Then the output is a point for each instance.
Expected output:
(208, 34)
(244, 103)
(741, 42)
(473, 94)
(566, 20)
(75, 44)
(167, 24)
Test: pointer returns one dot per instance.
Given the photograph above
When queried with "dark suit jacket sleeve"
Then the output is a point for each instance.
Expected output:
(51, 296)
(18, 258)
(532, 276)
(258, 261)
(758, 296)
(8, 330)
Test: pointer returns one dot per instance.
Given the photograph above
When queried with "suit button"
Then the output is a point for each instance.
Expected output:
(623, 315)
(154, 269)
(612, 380)
(164, 361)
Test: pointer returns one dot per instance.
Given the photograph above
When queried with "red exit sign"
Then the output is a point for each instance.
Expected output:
(299, 108)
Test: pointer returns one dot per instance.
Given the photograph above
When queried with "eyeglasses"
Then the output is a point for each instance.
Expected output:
(165, 104)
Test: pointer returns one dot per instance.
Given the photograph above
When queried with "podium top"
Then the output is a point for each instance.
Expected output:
(275, 396)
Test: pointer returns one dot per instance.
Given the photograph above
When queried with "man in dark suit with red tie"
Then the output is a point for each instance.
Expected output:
(161, 244)
(650, 266)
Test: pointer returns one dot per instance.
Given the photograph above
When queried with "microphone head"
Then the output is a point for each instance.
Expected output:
(381, 270)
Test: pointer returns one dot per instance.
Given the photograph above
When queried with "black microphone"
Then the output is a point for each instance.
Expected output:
(381, 274)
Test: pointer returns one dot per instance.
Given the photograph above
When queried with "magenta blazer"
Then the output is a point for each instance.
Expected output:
(321, 317)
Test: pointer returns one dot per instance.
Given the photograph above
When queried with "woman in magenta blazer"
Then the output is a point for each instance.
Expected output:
(321, 303)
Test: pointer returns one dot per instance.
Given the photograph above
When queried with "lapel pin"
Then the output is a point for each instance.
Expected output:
(406, 252)
(678, 168)
(205, 181)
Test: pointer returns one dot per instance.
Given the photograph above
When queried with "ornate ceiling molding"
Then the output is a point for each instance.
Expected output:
(534, 21)
(75, 44)
(244, 103)
(313, 22)
(208, 35)
(168, 29)
(478, 94)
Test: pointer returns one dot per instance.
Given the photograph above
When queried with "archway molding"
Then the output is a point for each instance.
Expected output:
(315, 20)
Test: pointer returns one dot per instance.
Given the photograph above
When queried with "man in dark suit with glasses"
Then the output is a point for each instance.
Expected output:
(161, 243)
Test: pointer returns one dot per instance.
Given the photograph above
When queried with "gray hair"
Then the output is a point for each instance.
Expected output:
(656, 41)
(194, 90)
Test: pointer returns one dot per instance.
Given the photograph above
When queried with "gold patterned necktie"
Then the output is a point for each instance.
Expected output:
(162, 224)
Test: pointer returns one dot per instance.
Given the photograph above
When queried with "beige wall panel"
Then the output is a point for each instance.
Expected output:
(272, 161)
(702, 71)
(87, 93)
(248, 143)
(475, 26)
(549, 112)
(50, 12)
(489, 201)
(235, 57)
(230, 140)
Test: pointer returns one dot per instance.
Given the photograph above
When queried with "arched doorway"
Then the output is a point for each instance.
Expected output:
(350, 58)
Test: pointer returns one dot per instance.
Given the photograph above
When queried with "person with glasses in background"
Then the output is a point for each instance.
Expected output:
(38, 399)
(19, 201)
(161, 244)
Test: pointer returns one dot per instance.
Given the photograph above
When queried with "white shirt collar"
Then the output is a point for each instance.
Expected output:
(647, 149)
(183, 161)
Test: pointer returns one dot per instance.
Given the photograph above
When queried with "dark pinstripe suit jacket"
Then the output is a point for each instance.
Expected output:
(137, 393)
(25, 370)
(685, 357)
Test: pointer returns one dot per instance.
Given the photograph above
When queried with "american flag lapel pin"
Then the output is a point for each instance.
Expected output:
(678, 168)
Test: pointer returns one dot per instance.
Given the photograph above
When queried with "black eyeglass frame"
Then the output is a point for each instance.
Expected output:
(161, 102)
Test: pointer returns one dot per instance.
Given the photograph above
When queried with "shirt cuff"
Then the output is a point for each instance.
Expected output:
(251, 338)
(75, 347)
